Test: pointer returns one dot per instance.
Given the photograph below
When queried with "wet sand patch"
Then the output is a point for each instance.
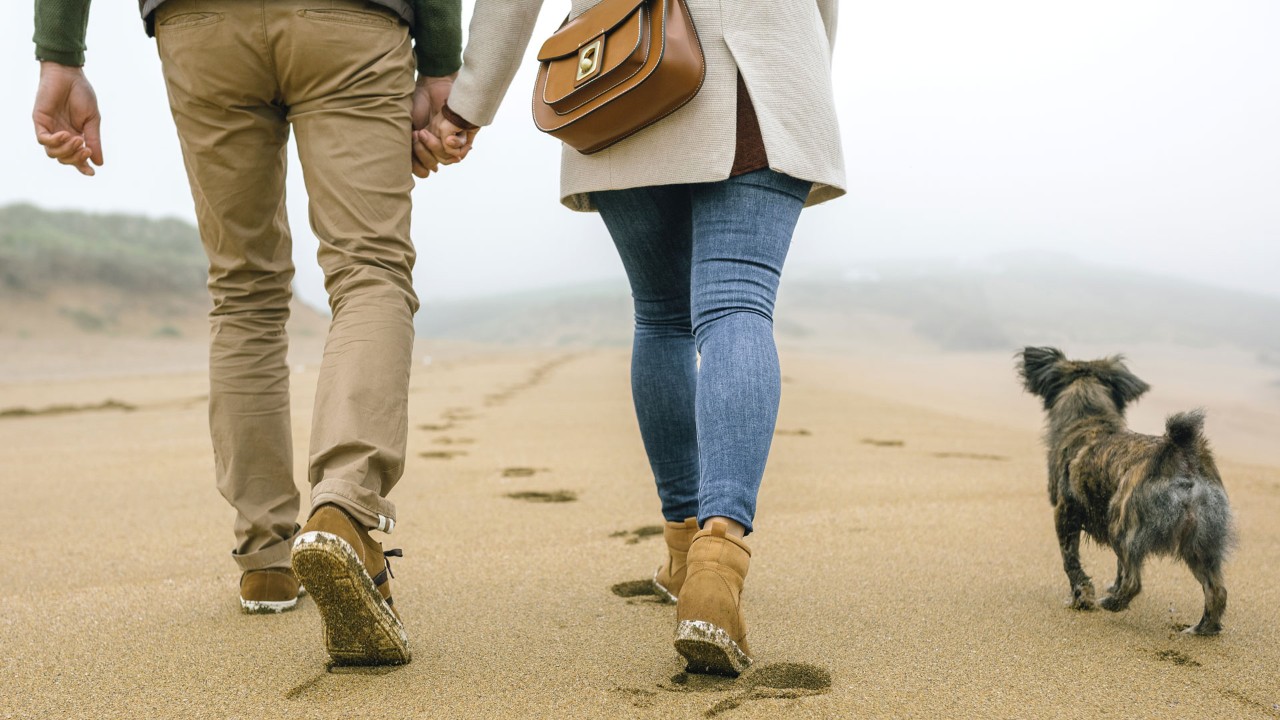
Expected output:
(635, 536)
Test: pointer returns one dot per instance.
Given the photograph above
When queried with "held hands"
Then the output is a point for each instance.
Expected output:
(66, 117)
(436, 141)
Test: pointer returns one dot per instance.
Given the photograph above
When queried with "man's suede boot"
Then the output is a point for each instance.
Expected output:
(347, 575)
(269, 590)
(671, 574)
(711, 632)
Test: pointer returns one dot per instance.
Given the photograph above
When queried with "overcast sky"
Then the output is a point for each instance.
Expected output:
(1143, 134)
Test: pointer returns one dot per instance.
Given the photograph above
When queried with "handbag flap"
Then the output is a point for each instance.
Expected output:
(623, 55)
(587, 27)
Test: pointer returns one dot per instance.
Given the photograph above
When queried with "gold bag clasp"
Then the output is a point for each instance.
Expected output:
(590, 58)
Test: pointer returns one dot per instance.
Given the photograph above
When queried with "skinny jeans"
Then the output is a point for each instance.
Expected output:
(704, 262)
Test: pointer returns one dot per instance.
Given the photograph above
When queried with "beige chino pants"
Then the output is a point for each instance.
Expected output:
(240, 73)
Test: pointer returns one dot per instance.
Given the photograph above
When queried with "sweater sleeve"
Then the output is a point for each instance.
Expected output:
(437, 36)
(60, 30)
(500, 32)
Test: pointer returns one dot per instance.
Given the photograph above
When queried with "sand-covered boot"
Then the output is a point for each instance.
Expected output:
(671, 574)
(347, 575)
(711, 632)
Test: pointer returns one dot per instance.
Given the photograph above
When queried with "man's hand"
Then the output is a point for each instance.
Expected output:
(429, 96)
(66, 117)
(446, 141)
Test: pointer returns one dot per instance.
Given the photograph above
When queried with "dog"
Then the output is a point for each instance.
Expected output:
(1138, 494)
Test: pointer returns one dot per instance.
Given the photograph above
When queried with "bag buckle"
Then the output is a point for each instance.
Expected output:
(590, 60)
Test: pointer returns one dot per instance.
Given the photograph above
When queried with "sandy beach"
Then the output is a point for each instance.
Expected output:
(905, 562)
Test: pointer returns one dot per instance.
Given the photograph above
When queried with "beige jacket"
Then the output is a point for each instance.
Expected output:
(783, 50)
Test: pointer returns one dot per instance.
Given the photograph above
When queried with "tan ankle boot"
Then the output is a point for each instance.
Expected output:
(711, 632)
(347, 574)
(670, 575)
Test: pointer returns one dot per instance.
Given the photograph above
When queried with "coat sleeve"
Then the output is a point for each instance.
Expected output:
(60, 30)
(437, 36)
(499, 33)
(830, 12)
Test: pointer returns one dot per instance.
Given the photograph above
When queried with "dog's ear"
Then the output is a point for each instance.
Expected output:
(1125, 387)
(1042, 372)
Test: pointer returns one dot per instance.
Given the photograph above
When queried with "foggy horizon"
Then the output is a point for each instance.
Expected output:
(1137, 137)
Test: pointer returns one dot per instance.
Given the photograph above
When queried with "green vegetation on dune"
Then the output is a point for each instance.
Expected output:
(41, 250)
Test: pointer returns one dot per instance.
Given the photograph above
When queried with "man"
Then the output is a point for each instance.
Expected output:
(340, 73)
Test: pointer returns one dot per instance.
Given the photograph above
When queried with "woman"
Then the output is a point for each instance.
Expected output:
(701, 206)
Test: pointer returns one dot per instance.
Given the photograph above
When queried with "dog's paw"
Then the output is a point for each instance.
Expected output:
(1082, 598)
(1113, 603)
(1205, 629)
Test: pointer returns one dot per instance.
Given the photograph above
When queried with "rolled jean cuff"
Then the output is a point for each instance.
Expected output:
(275, 555)
(367, 507)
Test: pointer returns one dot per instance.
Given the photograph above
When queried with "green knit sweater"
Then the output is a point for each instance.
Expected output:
(437, 33)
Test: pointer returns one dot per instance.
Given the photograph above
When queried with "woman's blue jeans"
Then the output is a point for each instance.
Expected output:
(704, 262)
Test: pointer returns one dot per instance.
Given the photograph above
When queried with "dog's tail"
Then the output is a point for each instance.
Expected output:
(1185, 430)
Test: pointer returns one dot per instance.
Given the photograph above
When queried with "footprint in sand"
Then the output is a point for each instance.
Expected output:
(635, 536)
(1177, 658)
(773, 681)
(883, 443)
(557, 496)
(457, 414)
(22, 412)
(639, 592)
(454, 441)
(512, 472)
(441, 454)
(970, 456)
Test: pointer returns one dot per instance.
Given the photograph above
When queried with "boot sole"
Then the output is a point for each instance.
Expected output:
(267, 607)
(359, 626)
(708, 649)
(662, 590)
(271, 607)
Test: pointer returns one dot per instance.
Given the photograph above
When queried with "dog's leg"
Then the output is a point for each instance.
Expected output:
(1128, 577)
(1215, 597)
(1111, 589)
(1068, 525)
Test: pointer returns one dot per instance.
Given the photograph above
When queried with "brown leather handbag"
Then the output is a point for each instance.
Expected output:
(615, 70)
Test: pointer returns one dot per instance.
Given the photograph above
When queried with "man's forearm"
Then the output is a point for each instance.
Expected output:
(437, 36)
(60, 30)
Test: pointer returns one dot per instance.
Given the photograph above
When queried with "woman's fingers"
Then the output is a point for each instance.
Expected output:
(424, 163)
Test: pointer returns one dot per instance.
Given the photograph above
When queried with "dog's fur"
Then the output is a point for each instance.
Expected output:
(1138, 494)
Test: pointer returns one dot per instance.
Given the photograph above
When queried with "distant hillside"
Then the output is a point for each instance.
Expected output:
(998, 306)
(1008, 302)
(113, 274)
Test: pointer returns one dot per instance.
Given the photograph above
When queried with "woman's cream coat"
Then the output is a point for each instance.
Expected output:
(782, 48)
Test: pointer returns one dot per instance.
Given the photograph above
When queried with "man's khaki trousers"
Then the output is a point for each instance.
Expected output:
(240, 73)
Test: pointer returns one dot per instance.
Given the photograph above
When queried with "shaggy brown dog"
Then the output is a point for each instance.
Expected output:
(1139, 494)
